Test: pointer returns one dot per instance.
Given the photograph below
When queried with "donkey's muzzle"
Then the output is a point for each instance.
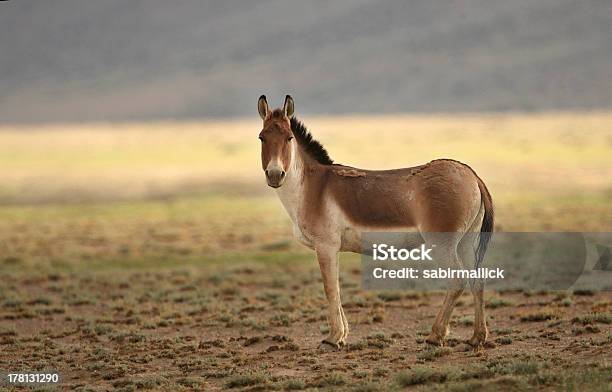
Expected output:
(275, 177)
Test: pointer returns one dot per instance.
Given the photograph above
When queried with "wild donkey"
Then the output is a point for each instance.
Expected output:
(331, 205)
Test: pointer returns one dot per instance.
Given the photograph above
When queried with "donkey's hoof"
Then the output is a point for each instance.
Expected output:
(479, 343)
(435, 340)
(329, 345)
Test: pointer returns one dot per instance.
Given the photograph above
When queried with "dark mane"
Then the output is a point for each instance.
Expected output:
(310, 145)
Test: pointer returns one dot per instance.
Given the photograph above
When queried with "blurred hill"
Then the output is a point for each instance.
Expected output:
(113, 60)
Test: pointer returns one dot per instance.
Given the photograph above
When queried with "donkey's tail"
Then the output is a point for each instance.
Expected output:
(486, 230)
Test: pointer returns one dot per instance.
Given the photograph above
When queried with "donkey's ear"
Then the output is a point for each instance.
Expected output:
(262, 107)
(288, 106)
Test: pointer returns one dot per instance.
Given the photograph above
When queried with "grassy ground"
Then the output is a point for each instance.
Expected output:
(153, 257)
(255, 322)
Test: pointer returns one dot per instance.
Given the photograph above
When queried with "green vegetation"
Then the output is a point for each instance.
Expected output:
(604, 318)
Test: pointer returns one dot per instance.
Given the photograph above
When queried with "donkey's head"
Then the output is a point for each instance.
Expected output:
(276, 140)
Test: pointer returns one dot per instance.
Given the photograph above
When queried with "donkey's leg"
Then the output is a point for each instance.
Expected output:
(440, 328)
(480, 324)
(466, 254)
(446, 253)
(338, 327)
(346, 327)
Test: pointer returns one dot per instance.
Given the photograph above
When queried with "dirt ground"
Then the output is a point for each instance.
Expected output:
(257, 326)
(126, 263)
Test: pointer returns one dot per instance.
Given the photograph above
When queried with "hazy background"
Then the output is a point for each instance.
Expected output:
(71, 60)
(140, 247)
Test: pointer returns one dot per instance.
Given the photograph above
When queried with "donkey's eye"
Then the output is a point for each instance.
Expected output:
(289, 139)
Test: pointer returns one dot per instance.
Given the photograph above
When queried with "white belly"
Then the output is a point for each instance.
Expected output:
(359, 239)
